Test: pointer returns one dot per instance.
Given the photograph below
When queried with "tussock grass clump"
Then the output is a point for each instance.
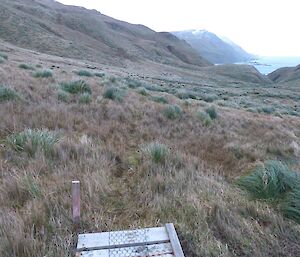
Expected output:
(185, 94)
(157, 152)
(131, 83)
(63, 96)
(32, 141)
(84, 73)
(76, 87)
(212, 112)
(7, 94)
(43, 74)
(267, 109)
(143, 92)
(290, 208)
(159, 99)
(2, 60)
(173, 112)
(204, 118)
(113, 93)
(3, 56)
(26, 66)
(85, 98)
(209, 98)
(275, 183)
(99, 74)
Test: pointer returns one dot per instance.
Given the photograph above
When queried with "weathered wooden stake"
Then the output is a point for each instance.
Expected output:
(76, 202)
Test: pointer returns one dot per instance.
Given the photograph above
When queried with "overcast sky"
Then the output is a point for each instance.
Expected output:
(264, 27)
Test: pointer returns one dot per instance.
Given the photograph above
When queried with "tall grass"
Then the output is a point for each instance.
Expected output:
(157, 152)
(173, 112)
(84, 73)
(26, 66)
(113, 93)
(212, 112)
(76, 87)
(275, 183)
(32, 141)
(85, 98)
(43, 74)
(3, 56)
(159, 99)
(204, 118)
(7, 94)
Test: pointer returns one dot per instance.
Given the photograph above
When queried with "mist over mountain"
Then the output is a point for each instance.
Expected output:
(213, 48)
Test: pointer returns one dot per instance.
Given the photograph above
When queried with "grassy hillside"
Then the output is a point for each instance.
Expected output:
(285, 74)
(53, 28)
(149, 147)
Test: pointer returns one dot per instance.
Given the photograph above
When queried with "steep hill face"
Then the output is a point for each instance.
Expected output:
(75, 32)
(285, 74)
(214, 48)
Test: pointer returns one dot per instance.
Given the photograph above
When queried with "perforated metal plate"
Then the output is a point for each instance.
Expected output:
(121, 238)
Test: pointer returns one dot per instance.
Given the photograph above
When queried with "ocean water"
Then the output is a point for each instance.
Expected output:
(266, 65)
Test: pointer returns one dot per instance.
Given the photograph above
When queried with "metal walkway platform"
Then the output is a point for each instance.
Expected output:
(160, 241)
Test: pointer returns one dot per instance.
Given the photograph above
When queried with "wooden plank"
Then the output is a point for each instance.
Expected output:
(177, 250)
(76, 202)
(106, 240)
(162, 250)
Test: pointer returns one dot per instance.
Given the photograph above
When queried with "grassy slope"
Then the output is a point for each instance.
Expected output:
(85, 34)
(102, 145)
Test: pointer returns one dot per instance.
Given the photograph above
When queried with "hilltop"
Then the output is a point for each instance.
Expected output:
(214, 48)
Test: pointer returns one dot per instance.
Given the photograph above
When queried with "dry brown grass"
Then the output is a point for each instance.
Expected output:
(121, 187)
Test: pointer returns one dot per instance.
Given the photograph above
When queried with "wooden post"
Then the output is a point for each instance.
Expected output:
(76, 202)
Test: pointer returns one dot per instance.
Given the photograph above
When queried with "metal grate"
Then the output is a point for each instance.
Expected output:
(142, 251)
(128, 237)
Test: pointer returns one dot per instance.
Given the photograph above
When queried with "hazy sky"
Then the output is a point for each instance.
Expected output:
(264, 27)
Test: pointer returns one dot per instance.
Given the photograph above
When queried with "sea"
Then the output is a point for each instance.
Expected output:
(266, 65)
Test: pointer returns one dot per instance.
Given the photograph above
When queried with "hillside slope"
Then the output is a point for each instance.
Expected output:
(285, 74)
(76, 32)
(147, 150)
(213, 48)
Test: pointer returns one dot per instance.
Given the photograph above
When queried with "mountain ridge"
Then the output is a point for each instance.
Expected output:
(214, 48)
(76, 32)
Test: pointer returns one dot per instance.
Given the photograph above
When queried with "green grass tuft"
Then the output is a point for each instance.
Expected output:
(143, 92)
(157, 152)
(100, 75)
(113, 93)
(131, 83)
(274, 182)
(212, 112)
(63, 96)
(7, 94)
(76, 87)
(173, 112)
(3, 56)
(32, 141)
(204, 118)
(84, 73)
(85, 98)
(26, 66)
(159, 99)
(43, 74)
